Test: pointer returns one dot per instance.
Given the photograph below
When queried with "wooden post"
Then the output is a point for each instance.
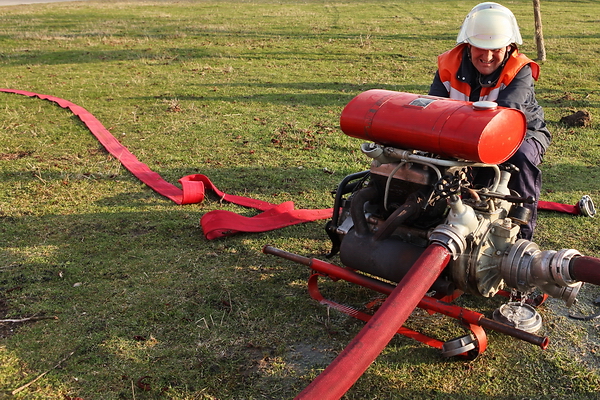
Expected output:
(539, 35)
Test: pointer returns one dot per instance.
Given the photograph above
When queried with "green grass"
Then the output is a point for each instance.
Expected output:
(248, 93)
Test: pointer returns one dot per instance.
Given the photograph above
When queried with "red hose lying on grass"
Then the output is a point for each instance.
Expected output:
(584, 207)
(217, 223)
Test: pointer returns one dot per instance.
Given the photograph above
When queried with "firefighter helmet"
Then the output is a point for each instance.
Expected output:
(490, 26)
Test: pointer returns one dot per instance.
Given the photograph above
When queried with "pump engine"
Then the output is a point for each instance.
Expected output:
(427, 155)
(431, 219)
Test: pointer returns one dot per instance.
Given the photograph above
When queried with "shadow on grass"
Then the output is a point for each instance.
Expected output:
(141, 293)
(269, 184)
(126, 282)
(313, 94)
(138, 289)
(568, 98)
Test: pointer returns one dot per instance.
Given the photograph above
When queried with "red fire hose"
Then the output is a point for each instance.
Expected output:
(584, 207)
(351, 363)
(585, 269)
(215, 224)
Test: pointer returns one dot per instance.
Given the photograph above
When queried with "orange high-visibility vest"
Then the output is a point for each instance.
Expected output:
(449, 63)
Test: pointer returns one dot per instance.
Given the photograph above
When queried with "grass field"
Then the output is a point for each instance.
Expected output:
(249, 94)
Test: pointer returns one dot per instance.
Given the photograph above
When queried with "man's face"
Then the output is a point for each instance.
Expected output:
(487, 61)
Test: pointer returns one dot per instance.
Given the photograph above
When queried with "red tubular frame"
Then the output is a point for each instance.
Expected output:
(427, 303)
(314, 292)
(353, 361)
(345, 370)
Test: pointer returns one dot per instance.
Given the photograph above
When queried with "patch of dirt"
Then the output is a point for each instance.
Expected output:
(304, 356)
(275, 378)
(580, 118)
(581, 339)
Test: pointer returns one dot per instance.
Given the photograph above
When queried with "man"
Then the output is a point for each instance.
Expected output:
(486, 66)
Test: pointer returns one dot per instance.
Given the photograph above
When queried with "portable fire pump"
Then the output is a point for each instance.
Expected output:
(432, 219)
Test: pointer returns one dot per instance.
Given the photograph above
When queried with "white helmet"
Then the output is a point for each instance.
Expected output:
(490, 26)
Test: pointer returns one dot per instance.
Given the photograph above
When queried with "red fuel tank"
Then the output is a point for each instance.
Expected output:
(480, 131)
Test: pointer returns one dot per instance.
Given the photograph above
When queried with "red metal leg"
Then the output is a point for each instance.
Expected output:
(313, 290)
